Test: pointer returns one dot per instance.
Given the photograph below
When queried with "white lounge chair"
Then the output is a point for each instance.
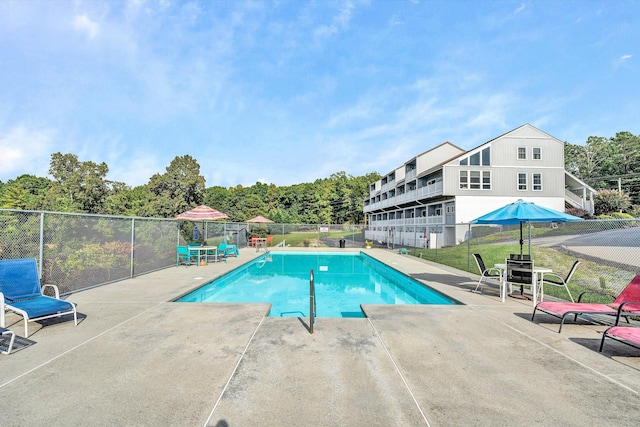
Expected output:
(12, 335)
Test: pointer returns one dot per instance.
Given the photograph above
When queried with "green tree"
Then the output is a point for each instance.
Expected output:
(13, 197)
(359, 192)
(217, 197)
(607, 202)
(25, 192)
(82, 183)
(604, 163)
(123, 200)
(340, 197)
(248, 207)
(179, 189)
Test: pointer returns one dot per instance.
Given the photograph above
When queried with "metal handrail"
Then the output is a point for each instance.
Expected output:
(312, 302)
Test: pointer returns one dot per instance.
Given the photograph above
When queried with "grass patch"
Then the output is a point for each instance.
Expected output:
(305, 239)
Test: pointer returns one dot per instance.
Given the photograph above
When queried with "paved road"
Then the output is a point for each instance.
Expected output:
(621, 247)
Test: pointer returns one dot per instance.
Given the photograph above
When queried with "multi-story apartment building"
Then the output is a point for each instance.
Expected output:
(437, 191)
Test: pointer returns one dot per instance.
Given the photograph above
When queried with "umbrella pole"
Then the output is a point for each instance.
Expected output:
(521, 241)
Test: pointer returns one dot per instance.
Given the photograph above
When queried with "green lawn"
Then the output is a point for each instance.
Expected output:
(300, 239)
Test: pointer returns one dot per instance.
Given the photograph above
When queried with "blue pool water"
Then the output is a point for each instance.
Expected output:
(343, 281)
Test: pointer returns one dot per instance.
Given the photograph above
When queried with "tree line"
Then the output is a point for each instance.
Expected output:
(610, 165)
(82, 187)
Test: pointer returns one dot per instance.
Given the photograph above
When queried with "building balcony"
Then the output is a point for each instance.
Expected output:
(576, 201)
(425, 192)
(408, 222)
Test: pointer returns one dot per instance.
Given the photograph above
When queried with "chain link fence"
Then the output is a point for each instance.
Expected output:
(80, 251)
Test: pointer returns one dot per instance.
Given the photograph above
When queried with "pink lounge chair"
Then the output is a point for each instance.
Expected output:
(626, 334)
(628, 302)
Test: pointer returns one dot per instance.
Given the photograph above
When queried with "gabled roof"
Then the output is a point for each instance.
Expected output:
(463, 152)
(438, 166)
(524, 126)
(437, 147)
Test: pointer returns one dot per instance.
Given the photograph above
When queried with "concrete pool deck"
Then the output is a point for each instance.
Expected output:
(136, 358)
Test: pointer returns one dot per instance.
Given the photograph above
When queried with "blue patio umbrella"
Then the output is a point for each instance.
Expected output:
(196, 233)
(521, 212)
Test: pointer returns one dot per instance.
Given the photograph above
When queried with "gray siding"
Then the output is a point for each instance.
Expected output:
(505, 166)
(505, 152)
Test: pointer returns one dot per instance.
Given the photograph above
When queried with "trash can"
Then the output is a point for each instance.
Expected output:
(342, 243)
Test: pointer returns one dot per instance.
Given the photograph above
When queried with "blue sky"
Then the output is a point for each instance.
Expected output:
(287, 92)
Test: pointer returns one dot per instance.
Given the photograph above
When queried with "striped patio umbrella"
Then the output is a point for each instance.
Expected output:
(260, 219)
(202, 213)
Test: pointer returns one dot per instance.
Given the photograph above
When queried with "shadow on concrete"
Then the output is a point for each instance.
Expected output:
(20, 343)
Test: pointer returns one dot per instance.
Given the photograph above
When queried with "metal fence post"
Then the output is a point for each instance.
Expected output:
(469, 249)
(41, 249)
(133, 241)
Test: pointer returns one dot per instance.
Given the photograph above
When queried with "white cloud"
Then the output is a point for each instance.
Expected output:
(622, 61)
(137, 170)
(85, 24)
(490, 111)
(520, 8)
(361, 111)
(340, 22)
(25, 150)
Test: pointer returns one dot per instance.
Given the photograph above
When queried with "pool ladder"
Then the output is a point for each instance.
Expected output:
(312, 302)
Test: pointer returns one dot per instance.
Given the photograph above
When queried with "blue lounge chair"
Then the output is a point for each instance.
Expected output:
(3, 332)
(21, 293)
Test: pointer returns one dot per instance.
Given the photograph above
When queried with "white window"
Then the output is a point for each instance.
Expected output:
(450, 209)
(522, 153)
(474, 180)
(537, 182)
(464, 183)
(537, 153)
(522, 181)
(486, 180)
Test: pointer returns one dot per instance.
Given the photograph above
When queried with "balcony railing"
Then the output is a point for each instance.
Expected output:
(419, 221)
(427, 191)
(576, 201)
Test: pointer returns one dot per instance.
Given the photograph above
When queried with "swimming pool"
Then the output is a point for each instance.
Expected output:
(343, 281)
